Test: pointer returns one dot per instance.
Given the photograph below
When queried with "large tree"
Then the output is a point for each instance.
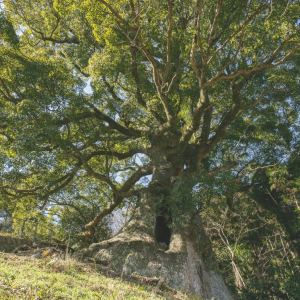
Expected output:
(195, 95)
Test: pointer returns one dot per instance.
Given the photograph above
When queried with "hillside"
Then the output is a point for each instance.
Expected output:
(23, 277)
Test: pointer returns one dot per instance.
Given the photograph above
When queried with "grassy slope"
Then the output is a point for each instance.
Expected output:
(27, 278)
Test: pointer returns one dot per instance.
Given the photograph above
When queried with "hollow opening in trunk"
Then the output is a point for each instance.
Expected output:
(162, 232)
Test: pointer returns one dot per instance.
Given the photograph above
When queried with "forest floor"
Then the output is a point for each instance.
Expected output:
(24, 277)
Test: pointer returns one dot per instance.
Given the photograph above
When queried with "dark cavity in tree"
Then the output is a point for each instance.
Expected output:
(162, 230)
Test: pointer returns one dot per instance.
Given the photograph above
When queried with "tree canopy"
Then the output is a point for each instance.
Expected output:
(97, 95)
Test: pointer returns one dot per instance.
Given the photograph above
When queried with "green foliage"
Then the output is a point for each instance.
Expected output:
(7, 32)
(97, 95)
(259, 235)
(199, 191)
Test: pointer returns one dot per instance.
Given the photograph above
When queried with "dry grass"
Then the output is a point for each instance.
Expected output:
(53, 278)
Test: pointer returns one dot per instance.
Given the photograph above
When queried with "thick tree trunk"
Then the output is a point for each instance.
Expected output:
(182, 256)
(187, 263)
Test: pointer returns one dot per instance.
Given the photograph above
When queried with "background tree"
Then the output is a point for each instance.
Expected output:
(257, 240)
(108, 92)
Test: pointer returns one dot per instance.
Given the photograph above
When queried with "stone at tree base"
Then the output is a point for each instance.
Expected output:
(181, 266)
(9, 244)
(189, 264)
(37, 255)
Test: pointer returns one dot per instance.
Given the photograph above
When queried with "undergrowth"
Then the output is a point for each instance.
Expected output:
(27, 278)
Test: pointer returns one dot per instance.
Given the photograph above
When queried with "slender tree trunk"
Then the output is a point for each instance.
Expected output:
(22, 228)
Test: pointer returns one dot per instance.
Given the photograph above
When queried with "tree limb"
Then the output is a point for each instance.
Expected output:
(124, 192)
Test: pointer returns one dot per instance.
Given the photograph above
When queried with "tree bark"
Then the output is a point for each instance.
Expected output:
(188, 263)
